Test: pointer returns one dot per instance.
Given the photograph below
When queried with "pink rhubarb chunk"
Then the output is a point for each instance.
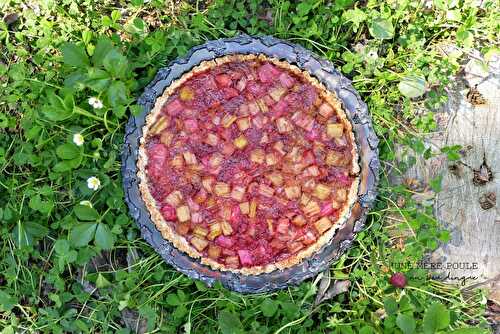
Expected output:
(286, 80)
(168, 212)
(224, 241)
(267, 73)
(174, 107)
(245, 257)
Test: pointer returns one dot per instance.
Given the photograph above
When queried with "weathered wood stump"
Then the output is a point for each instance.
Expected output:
(468, 203)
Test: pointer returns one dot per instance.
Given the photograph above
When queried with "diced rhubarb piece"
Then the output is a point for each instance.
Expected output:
(200, 231)
(334, 158)
(199, 243)
(215, 231)
(283, 125)
(270, 225)
(299, 220)
(190, 158)
(243, 110)
(309, 185)
(228, 119)
(245, 208)
(214, 251)
(230, 92)
(253, 208)
(196, 217)
(259, 121)
(174, 198)
(258, 156)
(186, 93)
(174, 107)
(277, 92)
(312, 208)
(280, 108)
(166, 138)
(161, 124)
(341, 194)
(265, 190)
(295, 246)
(223, 80)
(232, 261)
(275, 178)
(245, 257)
(168, 212)
(243, 123)
(306, 122)
(253, 108)
(268, 73)
(325, 110)
(279, 147)
(309, 237)
(311, 171)
(277, 244)
(304, 199)
(178, 162)
(183, 213)
(286, 80)
(335, 204)
(268, 100)
(212, 139)
(182, 228)
(224, 241)
(322, 191)
(215, 160)
(283, 226)
(262, 105)
(208, 183)
(191, 125)
(241, 84)
(222, 189)
(334, 130)
(271, 159)
(308, 157)
(227, 149)
(323, 225)
(326, 209)
(292, 192)
(238, 193)
(227, 229)
(240, 142)
(225, 212)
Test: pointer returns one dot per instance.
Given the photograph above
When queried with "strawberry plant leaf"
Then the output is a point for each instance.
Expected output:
(82, 234)
(435, 318)
(381, 28)
(406, 323)
(84, 212)
(104, 238)
(74, 55)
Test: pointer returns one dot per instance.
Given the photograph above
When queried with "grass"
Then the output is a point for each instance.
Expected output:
(58, 275)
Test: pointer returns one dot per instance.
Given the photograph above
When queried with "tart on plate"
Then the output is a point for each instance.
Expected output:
(248, 163)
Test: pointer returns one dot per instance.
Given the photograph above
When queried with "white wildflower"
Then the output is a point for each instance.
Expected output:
(93, 183)
(372, 54)
(78, 139)
(86, 203)
(95, 103)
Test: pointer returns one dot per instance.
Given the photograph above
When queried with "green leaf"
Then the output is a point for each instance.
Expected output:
(103, 47)
(406, 323)
(268, 307)
(115, 63)
(74, 55)
(61, 246)
(68, 151)
(229, 323)
(390, 305)
(103, 237)
(412, 86)
(101, 281)
(58, 109)
(84, 212)
(7, 302)
(381, 28)
(117, 94)
(82, 234)
(435, 318)
(173, 300)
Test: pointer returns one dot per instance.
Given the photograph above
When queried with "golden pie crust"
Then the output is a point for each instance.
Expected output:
(179, 241)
